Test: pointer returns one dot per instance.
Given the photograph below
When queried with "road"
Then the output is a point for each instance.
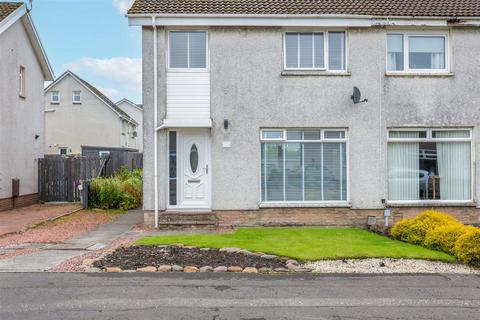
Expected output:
(237, 296)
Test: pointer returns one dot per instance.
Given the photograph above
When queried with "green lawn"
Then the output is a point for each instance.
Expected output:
(306, 243)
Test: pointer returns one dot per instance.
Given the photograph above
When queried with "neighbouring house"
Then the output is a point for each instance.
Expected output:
(24, 68)
(309, 112)
(136, 112)
(77, 114)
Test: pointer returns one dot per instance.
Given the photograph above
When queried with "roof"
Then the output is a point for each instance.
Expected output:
(10, 13)
(7, 8)
(407, 8)
(96, 92)
(133, 104)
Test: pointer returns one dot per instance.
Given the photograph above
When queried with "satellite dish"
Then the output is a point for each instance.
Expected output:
(357, 95)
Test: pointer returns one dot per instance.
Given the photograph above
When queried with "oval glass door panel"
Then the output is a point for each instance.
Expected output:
(194, 158)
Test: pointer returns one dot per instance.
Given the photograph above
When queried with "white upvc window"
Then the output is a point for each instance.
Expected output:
(55, 97)
(77, 96)
(307, 165)
(430, 165)
(22, 82)
(188, 50)
(322, 50)
(418, 52)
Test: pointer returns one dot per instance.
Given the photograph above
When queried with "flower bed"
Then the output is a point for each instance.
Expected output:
(191, 259)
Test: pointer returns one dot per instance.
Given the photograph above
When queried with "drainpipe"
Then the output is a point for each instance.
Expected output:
(155, 118)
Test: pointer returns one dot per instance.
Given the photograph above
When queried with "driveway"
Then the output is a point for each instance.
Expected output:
(53, 245)
(19, 219)
(237, 296)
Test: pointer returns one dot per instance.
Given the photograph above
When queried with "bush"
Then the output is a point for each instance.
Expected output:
(467, 247)
(443, 238)
(415, 230)
(122, 191)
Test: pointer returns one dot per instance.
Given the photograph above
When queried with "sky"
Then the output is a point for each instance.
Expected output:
(92, 39)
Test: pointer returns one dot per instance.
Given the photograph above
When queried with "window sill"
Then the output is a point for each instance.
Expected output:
(54, 102)
(431, 204)
(305, 205)
(76, 102)
(49, 110)
(419, 74)
(315, 73)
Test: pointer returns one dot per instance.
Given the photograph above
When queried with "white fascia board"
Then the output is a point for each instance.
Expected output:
(251, 20)
(294, 20)
(12, 18)
(38, 47)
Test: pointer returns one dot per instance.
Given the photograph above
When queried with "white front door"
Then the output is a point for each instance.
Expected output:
(194, 169)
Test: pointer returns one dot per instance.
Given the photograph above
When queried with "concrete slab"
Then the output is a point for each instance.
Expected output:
(38, 261)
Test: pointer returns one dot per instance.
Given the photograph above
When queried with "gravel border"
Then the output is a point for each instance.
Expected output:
(387, 265)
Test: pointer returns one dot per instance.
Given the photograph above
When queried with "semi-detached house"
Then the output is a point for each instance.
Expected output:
(249, 112)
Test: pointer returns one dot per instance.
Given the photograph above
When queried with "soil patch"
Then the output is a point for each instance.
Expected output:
(132, 258)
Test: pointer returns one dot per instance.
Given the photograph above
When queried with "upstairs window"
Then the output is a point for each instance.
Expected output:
(55, 97)
(21, 82)
(314, 51)
(77, 96)
(188, 49)
(417, 52)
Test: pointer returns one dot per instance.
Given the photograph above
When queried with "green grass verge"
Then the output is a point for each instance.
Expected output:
(306, 243)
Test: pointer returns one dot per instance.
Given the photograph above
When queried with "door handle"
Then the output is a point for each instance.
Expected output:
(206, 169)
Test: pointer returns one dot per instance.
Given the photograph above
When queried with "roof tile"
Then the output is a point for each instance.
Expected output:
(7, 8)
(432, 8)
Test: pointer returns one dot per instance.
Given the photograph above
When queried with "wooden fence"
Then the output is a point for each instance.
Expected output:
(59, 177)
(118, 159)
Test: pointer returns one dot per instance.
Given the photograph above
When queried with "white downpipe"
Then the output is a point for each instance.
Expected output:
(155, 118)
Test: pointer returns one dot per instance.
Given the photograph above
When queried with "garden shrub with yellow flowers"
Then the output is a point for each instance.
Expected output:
(439, 231)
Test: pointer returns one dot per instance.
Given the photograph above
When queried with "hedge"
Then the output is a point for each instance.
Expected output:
(442, 232)
(123, 191)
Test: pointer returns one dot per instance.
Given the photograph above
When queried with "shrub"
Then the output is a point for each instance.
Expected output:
(122, 191)
(443, 238)
(415, 230)
(467, 247)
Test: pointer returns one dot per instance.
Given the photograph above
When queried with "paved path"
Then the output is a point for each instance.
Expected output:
(52, 255)
(238, 296)
(18, 219)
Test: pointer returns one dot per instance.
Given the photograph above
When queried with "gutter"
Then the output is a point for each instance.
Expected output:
(286, 20)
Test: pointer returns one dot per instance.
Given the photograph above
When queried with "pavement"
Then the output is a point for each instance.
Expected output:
(16, 220)
(54, 254)
(237, 296)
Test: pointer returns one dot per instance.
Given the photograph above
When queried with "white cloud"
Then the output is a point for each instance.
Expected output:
(122, 5)
(122, 74)
(112, 93)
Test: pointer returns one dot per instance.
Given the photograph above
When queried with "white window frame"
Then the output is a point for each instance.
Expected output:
(63, 148)
(52, 95)
(406, 61)
(326, 64)
(318, 203)
(22, 81)
(73, 97)
(207, 62)
(429, 138)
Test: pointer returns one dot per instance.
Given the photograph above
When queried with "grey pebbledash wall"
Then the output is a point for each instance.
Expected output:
(21, 119)
(248, 88)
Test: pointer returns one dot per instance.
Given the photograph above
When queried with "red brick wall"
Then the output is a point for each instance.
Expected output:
(324, 216)
(21, 201)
